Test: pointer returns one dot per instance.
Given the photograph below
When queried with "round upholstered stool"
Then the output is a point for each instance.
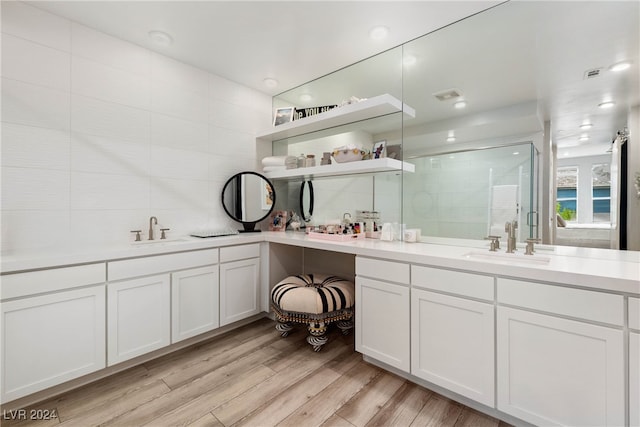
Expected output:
(315, 300)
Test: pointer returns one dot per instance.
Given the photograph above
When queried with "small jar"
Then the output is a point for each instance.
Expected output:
(301, 160)
(326, 159)
(310, 160)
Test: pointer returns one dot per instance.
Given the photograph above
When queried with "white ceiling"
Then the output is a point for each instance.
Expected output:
(511, 55)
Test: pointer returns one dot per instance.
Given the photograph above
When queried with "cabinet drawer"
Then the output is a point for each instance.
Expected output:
(54, 279)
(234, 253)
(383, 270)
(596, 306)
(161, 263)
(634, 313)
(455, 282)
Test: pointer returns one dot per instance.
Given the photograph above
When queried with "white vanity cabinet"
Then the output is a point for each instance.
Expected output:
(634, 362)
(195, 302)
(239, 282)
(382, 311)
(452, 336)
(138, 317)
(560, 371)
(53, 327)
(139, 305)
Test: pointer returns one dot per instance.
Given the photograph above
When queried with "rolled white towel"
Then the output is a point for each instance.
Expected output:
(277, 160)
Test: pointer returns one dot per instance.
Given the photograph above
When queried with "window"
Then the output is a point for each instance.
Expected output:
(567, 192)
(601, 192)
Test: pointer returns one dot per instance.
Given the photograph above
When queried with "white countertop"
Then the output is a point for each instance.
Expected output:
(603, 269)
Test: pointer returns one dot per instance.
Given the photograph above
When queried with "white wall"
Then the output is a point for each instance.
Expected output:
(99, 134)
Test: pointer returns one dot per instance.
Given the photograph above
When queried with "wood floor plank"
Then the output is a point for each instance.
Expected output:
(403, 407)
(290, 399)
(438, 412)
(113, 408)
(472, 418)
(209, 363)
(191, 354)
(235, 409)
(336, 421)
(323, 405)
(258, 328)
(83, 399)
(184, 394)
(207, 420)
(197, 407)
(364, 405)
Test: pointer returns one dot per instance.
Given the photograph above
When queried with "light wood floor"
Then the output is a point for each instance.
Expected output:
(253, 377)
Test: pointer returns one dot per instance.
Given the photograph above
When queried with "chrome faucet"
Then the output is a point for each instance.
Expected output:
(153, 220)
(510, 228)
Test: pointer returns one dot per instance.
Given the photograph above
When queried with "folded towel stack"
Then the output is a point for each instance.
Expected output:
(274, 163)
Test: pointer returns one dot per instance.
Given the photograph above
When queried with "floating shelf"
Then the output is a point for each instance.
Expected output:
(369, 108)
(337, 169)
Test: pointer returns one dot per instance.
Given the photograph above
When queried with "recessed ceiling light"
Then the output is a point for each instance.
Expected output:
(270, 82)
(515, 153)
(379, 32)
(160, 37)
(606, 104)
(586, 126)
(565, 154)
(305, 97)
(620, 66)
(583, 138)
(460, 104)
(451, 139)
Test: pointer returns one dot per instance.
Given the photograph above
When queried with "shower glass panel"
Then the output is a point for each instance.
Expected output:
(472, 194)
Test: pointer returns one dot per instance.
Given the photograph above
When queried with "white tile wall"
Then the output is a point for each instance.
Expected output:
(106, 83)
(22, 60)
(97, 154)
(33, 105)
(99, 134)
(96, 117)
(36, 25)
(34, 147)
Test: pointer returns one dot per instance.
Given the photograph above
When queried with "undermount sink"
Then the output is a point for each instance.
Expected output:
(506, 258)
(159, 242)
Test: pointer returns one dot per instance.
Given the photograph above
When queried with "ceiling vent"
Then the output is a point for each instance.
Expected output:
(595, 72)
(448, 94)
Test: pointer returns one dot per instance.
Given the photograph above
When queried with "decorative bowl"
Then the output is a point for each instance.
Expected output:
(345, 156)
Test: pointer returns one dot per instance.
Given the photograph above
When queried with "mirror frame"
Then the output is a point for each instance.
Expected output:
(249, 226)
(306, 218)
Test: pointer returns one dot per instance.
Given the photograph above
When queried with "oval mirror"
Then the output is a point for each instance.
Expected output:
(306, 201)
(248, 198)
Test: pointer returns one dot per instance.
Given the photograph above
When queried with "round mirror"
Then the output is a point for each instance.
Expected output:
(248, 198)
(306, 201)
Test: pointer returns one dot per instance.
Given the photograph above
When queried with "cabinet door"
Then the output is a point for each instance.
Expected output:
(382, 322)
(138, 317)
(239, 290)
(634, 379)
(554, 371)
(50, 339)
(452, 344)
(194, 302)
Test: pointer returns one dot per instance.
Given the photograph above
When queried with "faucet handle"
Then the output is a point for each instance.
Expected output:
(137, 234)
(162, 235)
(495, 242)
(529, 250)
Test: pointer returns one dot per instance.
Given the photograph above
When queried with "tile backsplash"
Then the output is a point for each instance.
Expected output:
(98, 134)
